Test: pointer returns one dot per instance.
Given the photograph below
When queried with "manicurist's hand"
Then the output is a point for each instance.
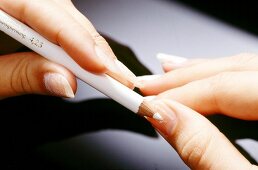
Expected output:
(61, 23)
(225, 85)
(198, 142)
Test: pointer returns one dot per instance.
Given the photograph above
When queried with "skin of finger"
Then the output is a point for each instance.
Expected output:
(199, 143)
(234, 94)
(99, 40)
(80, 18)
(182, 76)
(23, 73)
(61, 29)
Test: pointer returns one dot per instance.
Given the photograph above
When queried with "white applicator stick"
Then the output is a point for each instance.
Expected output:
(105, 84)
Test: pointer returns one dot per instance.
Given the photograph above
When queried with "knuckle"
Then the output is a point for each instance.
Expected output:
(194, 150)
(216, 88)
(19, 82)
(220, 89)
(241, 60)
(216, 81)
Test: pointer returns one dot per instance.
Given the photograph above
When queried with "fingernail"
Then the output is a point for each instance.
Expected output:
(142, 79)
(147, 77)
(128, 73)
(164, 119)
(175, 60)
(116, 69)
(107, 60)
(149, 98)
(58, 85)
(169, 66)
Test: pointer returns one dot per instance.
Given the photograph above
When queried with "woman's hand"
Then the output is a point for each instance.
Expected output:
(198, 142)
(61, 23)
(225, 85)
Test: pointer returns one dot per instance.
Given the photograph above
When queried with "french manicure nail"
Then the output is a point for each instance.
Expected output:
(141, 79)
(164, 119)
(148, 77)
(165, 58)
(149, 98)
(58, 85)
(107, 60)
(128, 73)
(116, 69)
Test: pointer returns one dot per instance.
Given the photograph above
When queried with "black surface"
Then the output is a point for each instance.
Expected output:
(31, 121)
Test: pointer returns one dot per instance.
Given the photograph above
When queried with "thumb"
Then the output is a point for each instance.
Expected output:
(198, 142)
(24, 73)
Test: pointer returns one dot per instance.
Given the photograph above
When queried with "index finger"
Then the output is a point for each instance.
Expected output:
(59, 27)
(198, 142)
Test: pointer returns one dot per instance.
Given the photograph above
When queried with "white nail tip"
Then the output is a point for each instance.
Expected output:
(164, 58)
(157, 116)
(129, 74)
(58, 84)
(149, 98)
(115, 66)
(148, 77)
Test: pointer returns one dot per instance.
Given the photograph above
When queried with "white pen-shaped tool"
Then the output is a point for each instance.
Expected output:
(103, 83)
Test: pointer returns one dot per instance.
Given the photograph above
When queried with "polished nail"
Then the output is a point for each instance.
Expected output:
(175, 60)
(128, 73)
(108, 61)
(58, 85)
(149, 98)
(164, 119)
(116, 69)
(148, 77)
(142, 79)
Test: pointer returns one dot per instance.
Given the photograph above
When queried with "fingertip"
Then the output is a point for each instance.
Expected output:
(55, 79)
(167, 120)
(175, 61)
(167, 67)
(95, 67)
(121, 78)
(146, 91)
(72, 81)
(58, 85)
(29, 73)
(146, 83)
